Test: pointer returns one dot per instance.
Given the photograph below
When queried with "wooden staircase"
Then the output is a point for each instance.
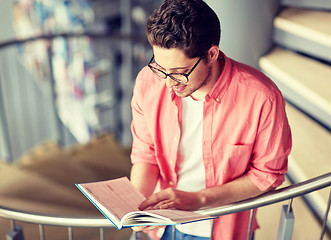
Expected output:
(300, 64)
(42, 181)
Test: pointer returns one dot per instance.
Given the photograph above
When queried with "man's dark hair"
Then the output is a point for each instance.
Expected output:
(190, 25)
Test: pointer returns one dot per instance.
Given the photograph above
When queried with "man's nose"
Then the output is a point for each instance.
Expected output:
(170, 82)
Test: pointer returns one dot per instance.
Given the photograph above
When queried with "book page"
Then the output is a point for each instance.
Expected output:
(162, 217)
(180, 216)
(118, 196)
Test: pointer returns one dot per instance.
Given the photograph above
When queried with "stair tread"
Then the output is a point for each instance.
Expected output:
(306, 76)
(316, 4)
(311, 24)
(310, 155)
(311, 143)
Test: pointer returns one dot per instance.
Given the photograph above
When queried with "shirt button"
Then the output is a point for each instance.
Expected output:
(217, 99)
(171, 183)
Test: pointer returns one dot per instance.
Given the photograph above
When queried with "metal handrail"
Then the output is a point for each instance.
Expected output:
(272, 197)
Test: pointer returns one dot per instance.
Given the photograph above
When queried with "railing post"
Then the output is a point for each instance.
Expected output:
(70, 234)
(173, 232)
(102, 234)
(16, 232)
(249, 232)
(286, 223)
(138, 236)
(41, 232)
(326, 216)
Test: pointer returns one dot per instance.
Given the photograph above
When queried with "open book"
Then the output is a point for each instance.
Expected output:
(118, 200)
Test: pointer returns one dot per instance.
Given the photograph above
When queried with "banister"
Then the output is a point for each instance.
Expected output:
(274, 196)
(271, 197)
(66, 221)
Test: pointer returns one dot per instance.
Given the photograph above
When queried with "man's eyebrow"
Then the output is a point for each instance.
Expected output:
(175, 68)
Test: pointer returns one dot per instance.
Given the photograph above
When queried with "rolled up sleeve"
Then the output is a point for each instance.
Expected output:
(143, 144)
(272, 147)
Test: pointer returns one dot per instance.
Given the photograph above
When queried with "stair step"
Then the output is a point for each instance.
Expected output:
(303, 81)
(316, 4)
(304, 30)
(310, 156)
(310, 24)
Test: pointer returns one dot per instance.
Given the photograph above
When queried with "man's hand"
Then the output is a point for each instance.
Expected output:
(146, 229)
(169, 199)
(173, 199)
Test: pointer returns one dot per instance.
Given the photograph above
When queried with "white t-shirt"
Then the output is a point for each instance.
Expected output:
(191, 174)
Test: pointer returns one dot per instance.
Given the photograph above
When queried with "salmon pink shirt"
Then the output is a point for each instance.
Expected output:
(245, 131)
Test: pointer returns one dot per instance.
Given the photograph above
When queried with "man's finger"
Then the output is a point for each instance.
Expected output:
(153, 200)
(166, 204)
(137, 229)
(146, 228)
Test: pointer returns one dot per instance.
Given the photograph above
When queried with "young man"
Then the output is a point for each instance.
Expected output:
(207, 130)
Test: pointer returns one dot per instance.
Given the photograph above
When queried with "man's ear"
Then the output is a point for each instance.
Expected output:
(213, 53)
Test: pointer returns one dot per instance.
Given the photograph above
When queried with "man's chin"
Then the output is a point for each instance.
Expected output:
(182, 94)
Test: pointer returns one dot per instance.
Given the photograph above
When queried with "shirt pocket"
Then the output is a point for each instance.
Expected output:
(234, 162)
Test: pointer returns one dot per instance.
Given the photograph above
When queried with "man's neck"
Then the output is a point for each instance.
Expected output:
(220, 68)
(216, 72)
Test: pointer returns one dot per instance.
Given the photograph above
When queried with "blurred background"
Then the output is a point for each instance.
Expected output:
(67, 70)
(70, 89)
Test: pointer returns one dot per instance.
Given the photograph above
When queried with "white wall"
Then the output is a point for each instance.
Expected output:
(6, 29)
(246, 27)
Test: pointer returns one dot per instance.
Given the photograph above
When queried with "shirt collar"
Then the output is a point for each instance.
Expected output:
(223, 82)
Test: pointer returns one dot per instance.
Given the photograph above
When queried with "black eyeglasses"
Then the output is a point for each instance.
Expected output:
(178, 77)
